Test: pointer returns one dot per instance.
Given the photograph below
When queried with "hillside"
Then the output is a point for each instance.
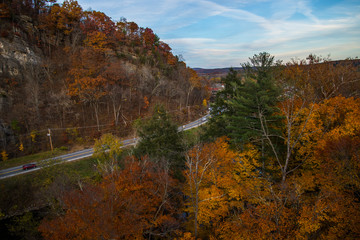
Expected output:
(81, 74)
(214, 72)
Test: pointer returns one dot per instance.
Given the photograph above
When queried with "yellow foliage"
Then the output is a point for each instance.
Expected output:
(21, 147)
(108, 147)
(185, 236)
(194, 79)
(204, 103)
(33, 135)
(4, 155)
(226, 180)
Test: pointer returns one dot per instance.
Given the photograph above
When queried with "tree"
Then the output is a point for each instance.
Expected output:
(97, 22)
(202, 172)
(86, 83)
(116, 88)
(220, 184)
(62, 20)
(149, 38)
(107, 150)
(331, 78)
(220, 108)
(25, 226)
(159, 138)
(327, 175)
(254, 103)
(129, 204)
(246, 110)
(316, 78)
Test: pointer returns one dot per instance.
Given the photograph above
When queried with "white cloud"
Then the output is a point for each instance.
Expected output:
(252, 27)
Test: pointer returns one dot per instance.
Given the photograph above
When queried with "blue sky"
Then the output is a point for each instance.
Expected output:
(214, 33)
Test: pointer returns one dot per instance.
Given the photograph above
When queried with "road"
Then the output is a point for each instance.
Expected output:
(10, 172)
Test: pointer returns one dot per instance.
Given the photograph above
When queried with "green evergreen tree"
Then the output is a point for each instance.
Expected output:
(255, 115)
(160, 139)
(246, 109)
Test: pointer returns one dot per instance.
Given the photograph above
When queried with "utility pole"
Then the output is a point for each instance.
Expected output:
(49, 135)
(188, 113)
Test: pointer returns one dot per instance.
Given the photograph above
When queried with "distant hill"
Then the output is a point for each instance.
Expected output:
(221, 72)
(214, 72)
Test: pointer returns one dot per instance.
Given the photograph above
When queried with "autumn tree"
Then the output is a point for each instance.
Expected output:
(149, 38)
(86, 83)
(331, 78)
(63, 21)
(107, 151)
(220, 185)
(317, 78)
(97, 22)
(329, 183)
(201, 161)
(130, 204)
(99, 30)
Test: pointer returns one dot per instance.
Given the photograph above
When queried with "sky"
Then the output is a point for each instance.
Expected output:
(216, 34)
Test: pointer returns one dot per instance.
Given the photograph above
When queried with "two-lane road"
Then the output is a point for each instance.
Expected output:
(84, 153)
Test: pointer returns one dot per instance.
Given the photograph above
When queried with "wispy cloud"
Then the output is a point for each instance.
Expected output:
(225, 33)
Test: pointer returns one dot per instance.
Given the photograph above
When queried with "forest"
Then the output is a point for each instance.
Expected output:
(279, 157)
(81, 74)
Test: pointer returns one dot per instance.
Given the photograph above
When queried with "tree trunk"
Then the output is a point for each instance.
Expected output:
(96, 110)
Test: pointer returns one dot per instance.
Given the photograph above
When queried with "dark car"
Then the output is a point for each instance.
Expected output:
(29, 166)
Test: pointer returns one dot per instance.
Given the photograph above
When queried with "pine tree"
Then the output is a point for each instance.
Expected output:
(254, 117)
(159, 138)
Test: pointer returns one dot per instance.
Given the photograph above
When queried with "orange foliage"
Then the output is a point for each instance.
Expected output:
(97, 40)
(126, 205)
(97, 22)
(149, 37)
(64, 18)
(146, 102)
(171, 60)
(219, 180)
(331, 170)
(194, 78)
(231, 199)
(86, 81)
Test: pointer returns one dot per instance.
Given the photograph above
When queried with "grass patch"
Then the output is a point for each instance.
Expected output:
(22, 192)
(14, 162)
(84, 168)
(192, 136)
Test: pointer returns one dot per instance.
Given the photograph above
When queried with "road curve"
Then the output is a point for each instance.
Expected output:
(10, 172)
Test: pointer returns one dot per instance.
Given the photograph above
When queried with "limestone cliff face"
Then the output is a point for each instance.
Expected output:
(19, 61)
(16, 56)
(16, 53)
(19, 51)
(20, 75)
